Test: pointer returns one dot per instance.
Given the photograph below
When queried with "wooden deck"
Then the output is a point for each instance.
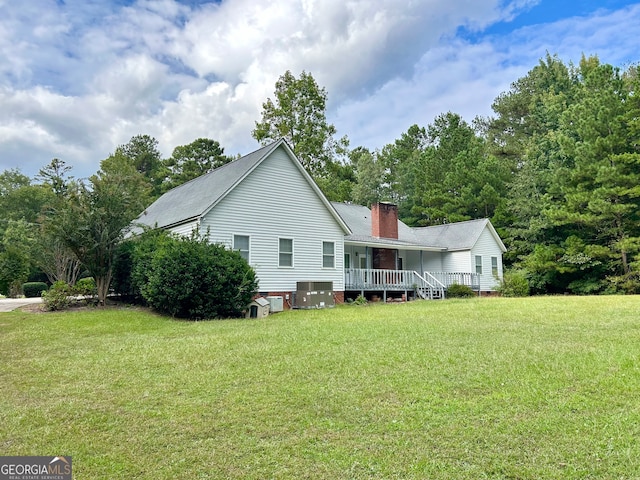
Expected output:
(426, 285)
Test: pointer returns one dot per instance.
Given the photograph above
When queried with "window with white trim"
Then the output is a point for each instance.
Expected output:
(494, 266)
(479, 264)
(285, 252)
(241, 245)
(328, 255)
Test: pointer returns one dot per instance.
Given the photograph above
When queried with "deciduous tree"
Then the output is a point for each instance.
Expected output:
(298, 114)
(93, 219)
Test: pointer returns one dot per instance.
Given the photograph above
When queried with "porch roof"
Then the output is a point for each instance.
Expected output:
(438, 238)
(370, 241)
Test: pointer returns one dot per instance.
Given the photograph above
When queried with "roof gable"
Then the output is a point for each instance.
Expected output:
(192, 200)
(458, 235)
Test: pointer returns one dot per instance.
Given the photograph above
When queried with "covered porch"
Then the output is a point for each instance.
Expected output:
(426, 285)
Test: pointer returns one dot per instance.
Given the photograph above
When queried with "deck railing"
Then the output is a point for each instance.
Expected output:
(378, 279)
(461, 278)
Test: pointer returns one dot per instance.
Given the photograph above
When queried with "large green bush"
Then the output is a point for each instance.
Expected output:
(133, 263)
(190, 278)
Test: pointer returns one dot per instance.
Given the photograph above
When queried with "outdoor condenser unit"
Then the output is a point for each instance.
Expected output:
(314, 295)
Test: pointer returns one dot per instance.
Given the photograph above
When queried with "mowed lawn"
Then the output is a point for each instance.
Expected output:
(466, 389)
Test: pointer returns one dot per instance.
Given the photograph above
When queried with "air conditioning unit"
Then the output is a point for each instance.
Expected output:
(314, 295)
(276, 303)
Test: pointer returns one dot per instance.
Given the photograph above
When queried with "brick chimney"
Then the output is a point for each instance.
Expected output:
(384, 220)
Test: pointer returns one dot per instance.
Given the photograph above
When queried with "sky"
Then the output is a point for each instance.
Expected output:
(80, 77)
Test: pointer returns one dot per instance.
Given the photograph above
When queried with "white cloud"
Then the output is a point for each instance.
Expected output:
(465, 78)
(79, 78)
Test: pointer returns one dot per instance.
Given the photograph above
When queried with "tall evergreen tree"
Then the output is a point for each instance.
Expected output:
(599, 187)
(143, 154)
(457, 180)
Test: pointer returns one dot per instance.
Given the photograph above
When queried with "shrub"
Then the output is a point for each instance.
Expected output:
(628, 284)
(34, 289)
(460, 291)
(85, 287)
(121, 282)
(58, 297)
(14, 271)
(359, 300)
(133, 263)
(191, 278)
(514, 284)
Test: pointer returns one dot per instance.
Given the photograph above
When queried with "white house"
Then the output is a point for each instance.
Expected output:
(428, 259)
(266, 206)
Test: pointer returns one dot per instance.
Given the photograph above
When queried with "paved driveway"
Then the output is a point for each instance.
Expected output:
(9, 304)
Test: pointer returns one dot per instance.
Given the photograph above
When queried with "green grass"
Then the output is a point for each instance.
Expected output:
(482, 388)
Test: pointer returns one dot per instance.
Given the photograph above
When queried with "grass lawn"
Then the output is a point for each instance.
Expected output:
(467, 389)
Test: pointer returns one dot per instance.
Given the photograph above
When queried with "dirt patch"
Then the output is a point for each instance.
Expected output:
(78, 307)
(34, 308)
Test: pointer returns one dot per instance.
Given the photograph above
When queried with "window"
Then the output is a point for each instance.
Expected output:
(328, 255)
(347, 260)
(285, 250)
(494, 266)
(241, 244)
(479, 264)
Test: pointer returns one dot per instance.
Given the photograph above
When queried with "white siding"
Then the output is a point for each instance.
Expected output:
(487, 247)
(457, 262)
(275, 201)
(357, 252)
(185, 229)
(422, 261)
(410, 260)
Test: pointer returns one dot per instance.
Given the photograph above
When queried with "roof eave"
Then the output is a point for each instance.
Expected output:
(373, 243)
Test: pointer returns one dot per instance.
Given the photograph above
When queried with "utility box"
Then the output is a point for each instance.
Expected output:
(276, 302)
(314, 295)
(259, 308)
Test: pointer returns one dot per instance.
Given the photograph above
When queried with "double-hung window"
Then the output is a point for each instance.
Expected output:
(328, 255)
(241, 244)
(494, 266)
(479, 264)
(285, 252)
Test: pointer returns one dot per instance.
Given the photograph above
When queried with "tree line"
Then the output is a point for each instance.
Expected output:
(555, 168)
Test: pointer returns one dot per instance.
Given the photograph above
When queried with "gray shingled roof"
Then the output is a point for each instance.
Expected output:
(192, 199)
(452, 236)
(358, 218)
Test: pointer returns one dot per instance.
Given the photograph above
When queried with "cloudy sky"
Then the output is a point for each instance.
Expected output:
(80, 77)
